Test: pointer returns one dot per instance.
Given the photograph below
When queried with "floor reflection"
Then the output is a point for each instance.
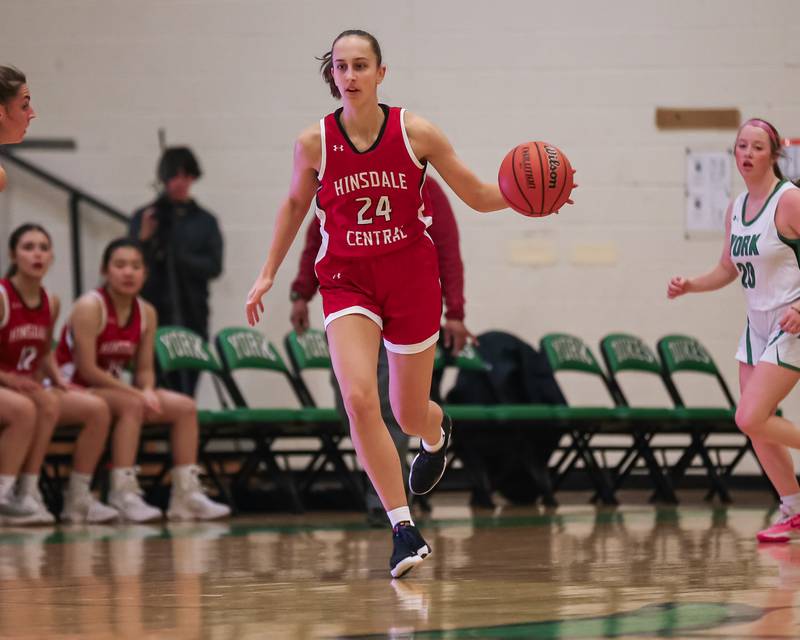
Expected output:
(327, 576)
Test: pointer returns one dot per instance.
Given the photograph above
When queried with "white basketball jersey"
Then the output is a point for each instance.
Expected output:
(769, 265)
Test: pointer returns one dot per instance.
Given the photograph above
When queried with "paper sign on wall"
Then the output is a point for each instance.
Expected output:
(708, 189)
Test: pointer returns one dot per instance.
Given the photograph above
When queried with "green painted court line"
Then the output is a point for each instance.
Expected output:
(666, 619)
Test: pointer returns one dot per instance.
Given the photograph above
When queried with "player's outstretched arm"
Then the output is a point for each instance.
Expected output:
(720, 276)
(429, 143)
(307, 155)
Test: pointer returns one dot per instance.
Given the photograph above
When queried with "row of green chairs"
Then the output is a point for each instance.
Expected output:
(622, 354)
(243, 348)
(677, 354)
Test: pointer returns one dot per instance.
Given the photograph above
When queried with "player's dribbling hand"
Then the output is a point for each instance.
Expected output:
(254, 307)
(790, 321)
(677, 287)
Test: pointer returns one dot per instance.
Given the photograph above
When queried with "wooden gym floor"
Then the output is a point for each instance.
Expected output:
(579, 572)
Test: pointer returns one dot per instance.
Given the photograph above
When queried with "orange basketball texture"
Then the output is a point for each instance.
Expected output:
(535, 178)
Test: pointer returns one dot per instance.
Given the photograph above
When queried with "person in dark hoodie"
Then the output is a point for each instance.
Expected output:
(183, 251)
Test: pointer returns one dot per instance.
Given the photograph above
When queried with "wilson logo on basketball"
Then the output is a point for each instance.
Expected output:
(552, 158)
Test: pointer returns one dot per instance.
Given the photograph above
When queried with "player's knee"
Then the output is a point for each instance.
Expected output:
(410, 418)
(749, 421)
(99, 413)
(21, 411)
(47, 408)
(187, 408)
(131, 408)
(361, 405)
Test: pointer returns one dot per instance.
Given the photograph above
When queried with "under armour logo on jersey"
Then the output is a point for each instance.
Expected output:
(338, 147)
(337, 276)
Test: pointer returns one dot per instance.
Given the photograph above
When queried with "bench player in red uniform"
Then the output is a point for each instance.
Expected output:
(377, 268)
(110, 329)
(27, 317)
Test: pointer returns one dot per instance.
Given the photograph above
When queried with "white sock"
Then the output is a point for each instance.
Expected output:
(433, 448)
(7, 486)
(120, 475)
(184, 477)
(792, 502)
(401, 514)
(79, 483)
(28, 483)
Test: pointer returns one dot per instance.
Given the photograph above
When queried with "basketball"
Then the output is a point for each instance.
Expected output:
(535, 179)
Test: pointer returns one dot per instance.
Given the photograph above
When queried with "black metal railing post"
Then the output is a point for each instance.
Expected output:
(75, 238)
(76, 197)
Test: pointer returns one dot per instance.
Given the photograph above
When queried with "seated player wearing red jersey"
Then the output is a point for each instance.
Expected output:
(27, 317)
(111, 329)
(377, 267)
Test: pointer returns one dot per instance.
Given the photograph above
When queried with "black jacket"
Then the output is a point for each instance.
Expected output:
(182, 256)
(519, 375)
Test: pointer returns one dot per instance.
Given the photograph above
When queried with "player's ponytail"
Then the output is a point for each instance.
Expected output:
(326, 59)
(11, 80)
(16, 236)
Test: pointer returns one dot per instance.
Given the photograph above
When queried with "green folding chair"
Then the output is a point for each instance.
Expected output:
(624, 353)
(243, 348)
(180, 349)
(307, 352)
(681, 354)
(568, 353)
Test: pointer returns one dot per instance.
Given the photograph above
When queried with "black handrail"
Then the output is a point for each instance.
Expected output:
(76, 196)
(65, 186)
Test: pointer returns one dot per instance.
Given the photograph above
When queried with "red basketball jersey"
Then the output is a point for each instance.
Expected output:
(23, 331)
(369, 202)
(116, 345)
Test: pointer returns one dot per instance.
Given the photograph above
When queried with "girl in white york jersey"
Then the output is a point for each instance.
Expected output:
(762, 251)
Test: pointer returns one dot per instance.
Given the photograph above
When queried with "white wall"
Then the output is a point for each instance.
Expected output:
(237, 80)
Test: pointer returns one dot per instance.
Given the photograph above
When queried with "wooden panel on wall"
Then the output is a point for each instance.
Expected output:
(670, 118)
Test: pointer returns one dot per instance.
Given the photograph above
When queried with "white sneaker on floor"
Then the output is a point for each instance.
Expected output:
(86, 509)
(132, 507)
(126, 498)
(195, 506)
(33, 504)
(188, 501)
(10, 506)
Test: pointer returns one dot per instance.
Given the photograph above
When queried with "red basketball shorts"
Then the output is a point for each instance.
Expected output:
(399, 291)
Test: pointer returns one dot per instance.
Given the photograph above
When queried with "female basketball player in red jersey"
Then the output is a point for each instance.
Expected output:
(16, 111)
(762, 249)
(110, 329)
(27, 317)
(377, 267)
